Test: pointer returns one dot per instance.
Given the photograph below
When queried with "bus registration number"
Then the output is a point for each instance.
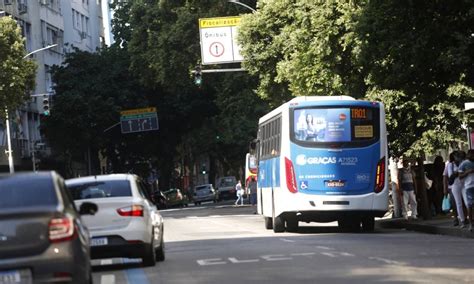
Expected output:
(335, 183)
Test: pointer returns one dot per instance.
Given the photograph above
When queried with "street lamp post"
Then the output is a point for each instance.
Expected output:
(9, 143)
(242, 4)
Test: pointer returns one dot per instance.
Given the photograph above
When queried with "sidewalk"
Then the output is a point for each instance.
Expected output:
(439, 225)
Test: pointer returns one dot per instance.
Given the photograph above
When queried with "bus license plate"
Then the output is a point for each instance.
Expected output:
(11, 276)
(335, 183)
(99, 242)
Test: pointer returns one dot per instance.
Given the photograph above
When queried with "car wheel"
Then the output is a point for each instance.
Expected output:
(160, 252)
(149, 259)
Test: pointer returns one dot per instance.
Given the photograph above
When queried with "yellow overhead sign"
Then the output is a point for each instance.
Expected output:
(137, 111)
(219, 22)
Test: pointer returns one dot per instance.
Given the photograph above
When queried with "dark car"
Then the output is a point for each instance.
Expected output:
(42, 237)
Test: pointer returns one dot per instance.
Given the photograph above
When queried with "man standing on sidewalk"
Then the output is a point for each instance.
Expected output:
(466, 174)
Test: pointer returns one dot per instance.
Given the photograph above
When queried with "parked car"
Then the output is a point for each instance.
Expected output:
(205, 192)
(174, 197)
(159, 198)
(42, 236)
(226, 187)
(128, 223)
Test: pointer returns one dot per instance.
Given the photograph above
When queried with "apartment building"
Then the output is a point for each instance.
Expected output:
(66, 23)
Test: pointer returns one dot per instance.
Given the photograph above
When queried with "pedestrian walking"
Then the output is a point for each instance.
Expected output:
(457, 186)
(466, 174)
(406, 178)
(253, 191)
(448, 186)
(435, 192)
(240, 193)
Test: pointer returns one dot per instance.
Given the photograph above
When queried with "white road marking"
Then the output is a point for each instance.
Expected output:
(235, 260)
(324, 248)
(275, 257)
(346, 254)
(303, 254)
(288, 241)
(107, 279)
(106, 262)
(387, 261)
(210, 261)
(328, 254)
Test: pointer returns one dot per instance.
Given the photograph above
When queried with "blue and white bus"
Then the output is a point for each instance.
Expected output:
(322, 159)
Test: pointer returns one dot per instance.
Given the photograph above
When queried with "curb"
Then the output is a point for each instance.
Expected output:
(418, 226)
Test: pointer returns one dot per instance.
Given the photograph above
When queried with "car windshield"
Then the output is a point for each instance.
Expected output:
(23, 193)
(202, 187)
(100, 189)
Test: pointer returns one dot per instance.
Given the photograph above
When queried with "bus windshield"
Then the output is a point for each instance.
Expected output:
(335, 125)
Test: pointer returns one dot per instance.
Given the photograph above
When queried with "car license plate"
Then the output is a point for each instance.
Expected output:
(11, 276)
(95, 242)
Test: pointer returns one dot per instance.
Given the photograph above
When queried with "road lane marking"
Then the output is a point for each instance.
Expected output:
(329, 254)
(288, 241)
(210, 261)
(346, 254)
(324, 248)
(136, 276)
(275, 257)
(106, 262)
(303, 254)
(387, 261)
(107, 279)
(235, 260)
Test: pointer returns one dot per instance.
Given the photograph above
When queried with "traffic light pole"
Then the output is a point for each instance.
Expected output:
(9, 151)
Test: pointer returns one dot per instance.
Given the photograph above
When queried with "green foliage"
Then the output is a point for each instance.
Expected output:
(91, 89)
(418, 58)
(17, 75)
(300, 48)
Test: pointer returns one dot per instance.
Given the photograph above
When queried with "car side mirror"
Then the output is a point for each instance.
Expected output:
(88, 208)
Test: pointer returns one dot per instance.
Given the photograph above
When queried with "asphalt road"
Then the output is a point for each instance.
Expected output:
(226, 244)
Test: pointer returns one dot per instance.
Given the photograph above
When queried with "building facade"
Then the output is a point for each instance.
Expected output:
(66, 24)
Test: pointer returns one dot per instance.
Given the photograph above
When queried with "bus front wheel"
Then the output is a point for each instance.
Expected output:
(268, 223)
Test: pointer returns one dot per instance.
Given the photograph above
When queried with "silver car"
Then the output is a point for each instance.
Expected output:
(42, 237)
(205, 192)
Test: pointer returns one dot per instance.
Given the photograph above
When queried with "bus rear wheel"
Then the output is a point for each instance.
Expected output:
(278, 224)
(268, 223)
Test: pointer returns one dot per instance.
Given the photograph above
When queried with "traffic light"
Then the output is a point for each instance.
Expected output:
(198, 75)
(203, 169)
(46, 109)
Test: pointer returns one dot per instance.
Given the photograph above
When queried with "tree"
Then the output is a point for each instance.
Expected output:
(17, 75)
(162, 38)
(90, 91)
(418, 58)
(301, 48)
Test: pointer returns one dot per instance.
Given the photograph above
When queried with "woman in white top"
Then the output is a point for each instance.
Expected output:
(457, 186)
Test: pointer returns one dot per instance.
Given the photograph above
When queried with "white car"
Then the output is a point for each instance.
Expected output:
(127, 223)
